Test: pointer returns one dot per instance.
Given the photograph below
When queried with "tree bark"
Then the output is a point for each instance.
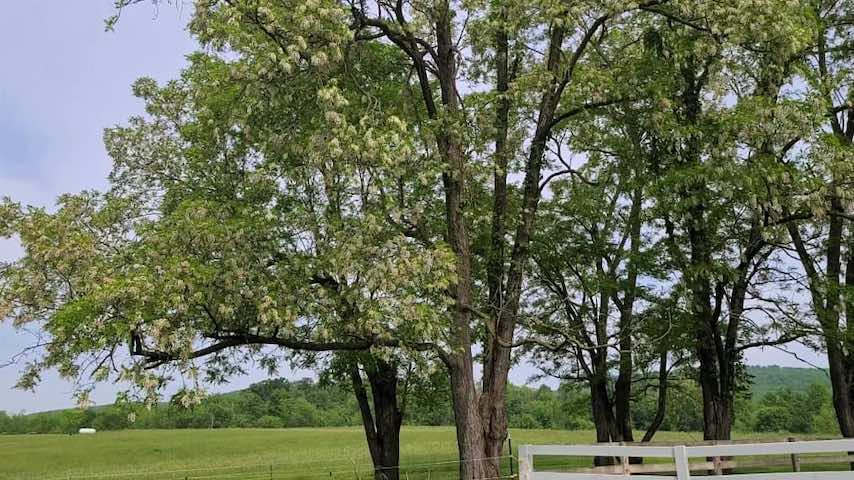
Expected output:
(661, 406)
(623, 385)
(382, 425)
(603, 416)
(826, 308)
(717, 398)
(475, 463)
(481, 417)
(472, 426)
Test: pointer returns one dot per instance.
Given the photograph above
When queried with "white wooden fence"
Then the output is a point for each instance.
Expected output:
(714, 459)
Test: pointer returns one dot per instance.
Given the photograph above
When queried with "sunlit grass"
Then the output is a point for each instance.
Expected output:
(310, 453)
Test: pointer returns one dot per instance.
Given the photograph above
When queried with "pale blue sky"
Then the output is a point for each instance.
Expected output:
(62, 81)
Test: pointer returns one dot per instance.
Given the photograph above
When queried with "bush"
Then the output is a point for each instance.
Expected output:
(772, 419)
(268, 421)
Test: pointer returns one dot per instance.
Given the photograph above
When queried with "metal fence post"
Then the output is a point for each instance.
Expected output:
(526, 464)
(680, 459)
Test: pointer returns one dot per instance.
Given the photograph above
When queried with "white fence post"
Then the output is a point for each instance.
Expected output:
(526, 463)
(680, 459)
(681, 456)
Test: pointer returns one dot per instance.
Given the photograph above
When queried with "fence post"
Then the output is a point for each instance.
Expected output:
(627, 469)
(526, 464)
(680, 459)
(717, 468)
(510, 453)
(796, 459)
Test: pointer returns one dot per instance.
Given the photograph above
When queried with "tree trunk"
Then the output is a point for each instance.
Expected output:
(603, 417)
(826, 310)
(717, 401)
(717, 404)
(839, 363)
(842, 390)
(475, 463)
(492, 404)
(474, 449)
(717, 417)
(839, 342)
(841, 370)
(718, 392)
(382, 425)
(623, 385)
(661, 406)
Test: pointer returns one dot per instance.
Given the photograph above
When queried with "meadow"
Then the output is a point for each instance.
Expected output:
(427, 453)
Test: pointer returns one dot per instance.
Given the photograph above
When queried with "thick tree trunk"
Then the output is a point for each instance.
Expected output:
(603, 416)
(492, 404)
(839, 361)
(382, 425)
(840, 382)
(475, 462)
(493, 410)
(481, 419)
(828, 307)
(474, 449)
(718, 392)
(717, 417)
(623, 391)
(842, 371)
(717, 401)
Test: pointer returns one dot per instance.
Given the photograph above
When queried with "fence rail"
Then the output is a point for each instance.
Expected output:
(716, 460)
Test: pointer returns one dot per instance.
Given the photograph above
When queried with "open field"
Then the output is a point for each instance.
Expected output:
(311, 453)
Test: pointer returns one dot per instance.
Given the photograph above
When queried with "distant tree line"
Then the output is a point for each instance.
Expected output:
(308, 403)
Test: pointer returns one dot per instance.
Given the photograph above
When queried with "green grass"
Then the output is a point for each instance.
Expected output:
(286, 454)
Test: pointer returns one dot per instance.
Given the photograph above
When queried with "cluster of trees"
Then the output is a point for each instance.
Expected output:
(392, 190)
(271, 404)
(803, 412)
(307, 403)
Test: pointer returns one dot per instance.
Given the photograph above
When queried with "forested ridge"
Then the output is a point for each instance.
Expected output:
(776, 402)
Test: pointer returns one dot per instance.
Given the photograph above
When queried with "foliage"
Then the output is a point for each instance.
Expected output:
(794, 406)
(771, 378)
(398, 180)
(220, 227)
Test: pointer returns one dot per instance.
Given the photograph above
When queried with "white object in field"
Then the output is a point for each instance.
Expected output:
(87, 431)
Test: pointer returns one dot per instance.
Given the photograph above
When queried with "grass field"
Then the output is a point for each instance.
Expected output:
(427, 453)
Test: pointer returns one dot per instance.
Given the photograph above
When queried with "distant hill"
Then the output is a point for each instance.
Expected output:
(281, 403)
(772, 378)
(764, 379)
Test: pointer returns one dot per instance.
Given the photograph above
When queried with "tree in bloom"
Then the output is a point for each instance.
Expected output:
(348, 175)
(226, 232)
